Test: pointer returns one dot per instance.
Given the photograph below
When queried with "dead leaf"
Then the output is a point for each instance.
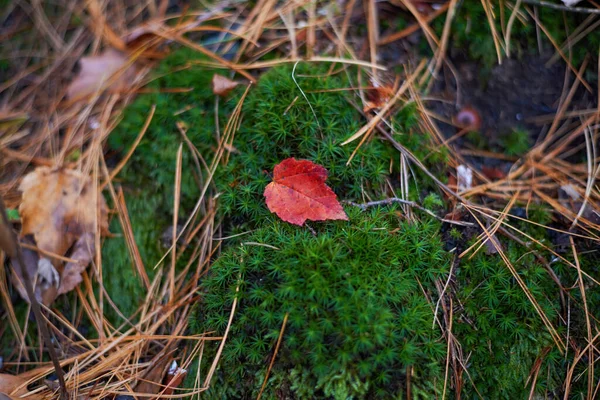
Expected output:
(377, 98)
(455, 215)
(15, 386)
(12, 386)
(82, 254)
(299, 193)
(154, 374)
(492, 244)
(174, 378)
(111, 70)
(149, 38)
(60, 210)
(221, 85)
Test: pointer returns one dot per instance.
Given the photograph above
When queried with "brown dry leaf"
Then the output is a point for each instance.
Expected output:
(14, 387)
(493, 173)
(221, 85)
(60, 210)
(150, 36)
(110, 70)
(174, 378)
(154, 374)
(377, 98)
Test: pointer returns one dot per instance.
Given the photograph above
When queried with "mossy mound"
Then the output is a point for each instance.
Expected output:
(359, 295)
(357, 316)
(280, 123)
(277, 123)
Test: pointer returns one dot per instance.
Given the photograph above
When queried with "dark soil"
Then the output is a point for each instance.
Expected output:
(507, 96)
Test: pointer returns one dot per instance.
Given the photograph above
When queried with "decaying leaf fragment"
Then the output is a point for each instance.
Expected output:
(377, 98)
(61, 213)
(14, 387)
(108, 70)
(162, 377)
(299, 193)
(221, 85)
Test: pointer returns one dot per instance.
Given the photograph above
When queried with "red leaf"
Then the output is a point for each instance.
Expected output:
(298, 192)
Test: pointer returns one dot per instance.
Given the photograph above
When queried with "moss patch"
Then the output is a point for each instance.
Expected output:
(357, 314)
(359, 295)
(472, 36)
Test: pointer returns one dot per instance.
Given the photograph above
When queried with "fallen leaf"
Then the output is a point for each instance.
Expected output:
(492, 244)
(455, 215)
(221, 85)
(110, 70)
(174, 378)
(60, 210)
(378, 97)
(148, 40)
(82, 254)
(299, 193)
(14, 387)
(150, 383)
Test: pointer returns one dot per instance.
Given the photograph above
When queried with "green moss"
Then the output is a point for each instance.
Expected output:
(279, 123)
(148, 178)
(502, 329)
(12, 214)
(517, 142)
(357, 315)
(471, 32)
(455, 234)
(358, 294)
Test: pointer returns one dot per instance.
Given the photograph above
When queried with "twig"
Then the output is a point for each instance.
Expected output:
(437, 304)
(17, 252)
(262, 388)
(409, 203)
(562, 7)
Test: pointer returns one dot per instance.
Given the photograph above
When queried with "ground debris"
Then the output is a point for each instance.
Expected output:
(61, 213)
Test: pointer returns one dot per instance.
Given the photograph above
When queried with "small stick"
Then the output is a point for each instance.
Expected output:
(14, 249)
(409, 203)
(310, 228)
(562, 7)
(262, 388)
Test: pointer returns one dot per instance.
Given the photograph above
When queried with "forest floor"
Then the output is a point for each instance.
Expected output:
(137, 139)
